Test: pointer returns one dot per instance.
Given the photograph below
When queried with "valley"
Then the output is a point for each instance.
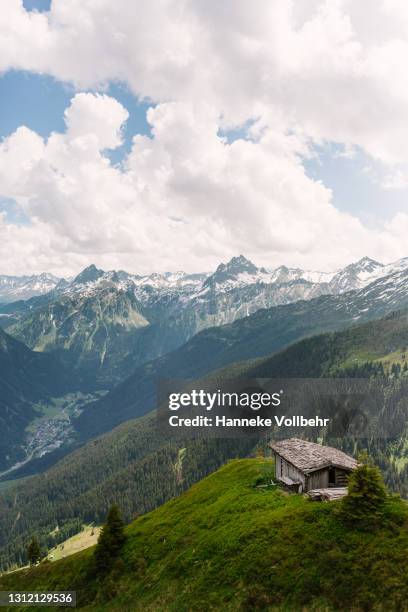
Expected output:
(51, 428)
(28, 380)
(120, 332)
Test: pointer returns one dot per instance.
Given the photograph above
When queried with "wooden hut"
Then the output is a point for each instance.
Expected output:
(304, 466)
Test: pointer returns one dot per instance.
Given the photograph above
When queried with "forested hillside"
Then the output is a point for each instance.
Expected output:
(142, 469)
(266, 331)
(133, 464)
(26, 379)
(227, 545)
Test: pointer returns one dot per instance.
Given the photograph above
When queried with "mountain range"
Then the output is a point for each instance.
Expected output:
(238, 272)
(262, 333)
(266, 331)
(106, 324)
(111, 331)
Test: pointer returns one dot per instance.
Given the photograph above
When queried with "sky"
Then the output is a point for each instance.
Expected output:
(176, 134)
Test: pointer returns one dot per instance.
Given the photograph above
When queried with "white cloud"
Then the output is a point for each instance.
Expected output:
(96, 119)
(335, 70)
(302, 72)
(184, 198)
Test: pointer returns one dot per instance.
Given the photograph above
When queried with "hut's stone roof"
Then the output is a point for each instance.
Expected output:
(309, 457)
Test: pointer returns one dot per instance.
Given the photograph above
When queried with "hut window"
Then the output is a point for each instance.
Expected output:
(332, 476)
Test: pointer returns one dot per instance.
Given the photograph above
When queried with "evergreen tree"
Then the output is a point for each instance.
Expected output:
(364, 503)
(33, 551)
(110, 541)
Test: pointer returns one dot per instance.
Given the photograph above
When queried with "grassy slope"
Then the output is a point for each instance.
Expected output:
(225, 545)
(84, 539)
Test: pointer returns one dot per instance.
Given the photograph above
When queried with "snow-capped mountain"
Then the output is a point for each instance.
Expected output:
(13, 288)
(238, 273)
(91, 331)
(195, 301)
(92, 279)
(355, 276)
(114, 321)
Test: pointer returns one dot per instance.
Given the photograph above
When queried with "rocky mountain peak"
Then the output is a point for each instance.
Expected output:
(365, 264)
(88, 275)
(355, 275)
(239, 264)
(230, 270)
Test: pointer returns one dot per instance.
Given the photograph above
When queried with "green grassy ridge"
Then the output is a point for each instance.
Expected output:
(226, 545)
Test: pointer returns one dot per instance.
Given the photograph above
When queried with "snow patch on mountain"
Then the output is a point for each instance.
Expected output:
(255, 287)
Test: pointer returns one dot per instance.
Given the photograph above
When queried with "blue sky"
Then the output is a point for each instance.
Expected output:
(14, 214)
(38, 5)
(355, 183)
(38, 102)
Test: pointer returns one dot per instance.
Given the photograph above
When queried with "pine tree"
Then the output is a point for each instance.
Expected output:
(110, 541)
(364, 503)
(33, 551)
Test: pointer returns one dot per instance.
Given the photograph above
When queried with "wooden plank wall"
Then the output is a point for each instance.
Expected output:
(318, 480)
(283, 468)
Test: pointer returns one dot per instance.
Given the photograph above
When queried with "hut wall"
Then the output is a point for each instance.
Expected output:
(341, 477)
(318, 480)
(284, 468)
